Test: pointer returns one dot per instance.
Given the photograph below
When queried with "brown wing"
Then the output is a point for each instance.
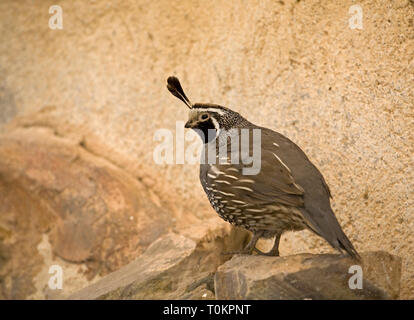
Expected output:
(274, 183)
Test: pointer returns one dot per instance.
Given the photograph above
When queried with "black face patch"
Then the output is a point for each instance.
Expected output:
(206, 130)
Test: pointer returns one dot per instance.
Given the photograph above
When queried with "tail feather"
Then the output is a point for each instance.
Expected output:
(329, 228)
(347, 245)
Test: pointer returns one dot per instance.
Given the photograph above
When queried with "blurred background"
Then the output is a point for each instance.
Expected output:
(79, 107)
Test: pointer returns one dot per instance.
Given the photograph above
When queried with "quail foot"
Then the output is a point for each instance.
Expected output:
(284, 192)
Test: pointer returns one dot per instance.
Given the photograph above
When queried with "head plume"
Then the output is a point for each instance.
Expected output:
(174, 86)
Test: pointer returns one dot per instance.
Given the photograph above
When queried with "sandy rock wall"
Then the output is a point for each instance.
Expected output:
(345, 96)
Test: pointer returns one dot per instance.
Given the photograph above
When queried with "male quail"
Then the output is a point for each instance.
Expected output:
(288, 192)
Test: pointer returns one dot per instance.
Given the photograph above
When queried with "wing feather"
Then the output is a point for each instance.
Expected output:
(272, 185)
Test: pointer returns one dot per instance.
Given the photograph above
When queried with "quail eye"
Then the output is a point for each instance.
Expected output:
(204, 116)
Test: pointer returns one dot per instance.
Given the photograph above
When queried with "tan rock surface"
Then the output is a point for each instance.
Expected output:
(173, 267)
(94, 212)
(345, 96)
(308, 277)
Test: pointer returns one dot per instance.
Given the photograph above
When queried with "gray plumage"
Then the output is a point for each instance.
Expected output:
(288, 193)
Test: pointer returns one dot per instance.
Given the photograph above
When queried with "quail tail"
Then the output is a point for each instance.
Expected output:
(345, 244)
(340, 242)
(327, 226)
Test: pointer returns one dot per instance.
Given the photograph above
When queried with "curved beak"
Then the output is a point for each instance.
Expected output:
(190, 124)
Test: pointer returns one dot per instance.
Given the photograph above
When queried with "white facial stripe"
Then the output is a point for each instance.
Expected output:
(216, 124)
(211, 109)
(216, 110)
(196, 111)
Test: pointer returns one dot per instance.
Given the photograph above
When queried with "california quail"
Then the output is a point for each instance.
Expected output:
(287, 193)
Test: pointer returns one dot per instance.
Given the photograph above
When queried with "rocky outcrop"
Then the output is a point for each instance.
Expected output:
(93, 212)
(173, 267)
(307, 276)
(61, 204)
(177, 267)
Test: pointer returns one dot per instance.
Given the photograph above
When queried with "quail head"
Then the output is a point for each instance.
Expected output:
(286, 192)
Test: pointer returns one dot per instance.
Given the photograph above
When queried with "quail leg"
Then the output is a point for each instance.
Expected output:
(249, 248)
(275, 249)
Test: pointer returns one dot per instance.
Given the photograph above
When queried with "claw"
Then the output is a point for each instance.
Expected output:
(271, 253)
(251, 246)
